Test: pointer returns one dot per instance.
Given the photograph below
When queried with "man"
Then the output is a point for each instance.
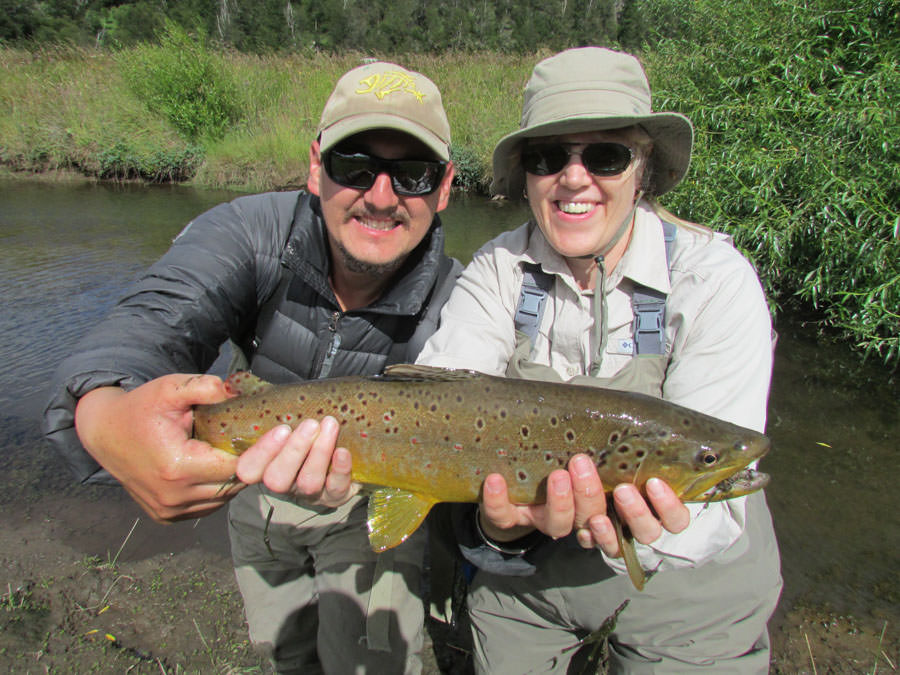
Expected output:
(342, 280)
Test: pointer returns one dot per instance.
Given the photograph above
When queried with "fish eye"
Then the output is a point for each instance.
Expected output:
(709, 458)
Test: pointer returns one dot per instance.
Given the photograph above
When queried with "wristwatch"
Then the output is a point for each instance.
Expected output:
(516, 547)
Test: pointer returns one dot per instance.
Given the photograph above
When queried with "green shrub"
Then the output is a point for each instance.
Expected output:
(123, 162)
(186, 82)
(469, 169)
(796, 156)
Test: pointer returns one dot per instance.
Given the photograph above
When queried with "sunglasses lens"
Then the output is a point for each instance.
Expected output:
(600, 159)
(409, 177)
(606, 159)
(416, 177)
(356, 170)
(544, 160)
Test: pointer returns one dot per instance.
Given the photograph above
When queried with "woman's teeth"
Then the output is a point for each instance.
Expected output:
(575, 208)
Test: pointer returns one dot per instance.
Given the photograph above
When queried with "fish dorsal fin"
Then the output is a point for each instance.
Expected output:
(245, 383)
(410, 371)
(394, 514)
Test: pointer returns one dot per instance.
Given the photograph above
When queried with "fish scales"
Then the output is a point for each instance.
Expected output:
(433, 435)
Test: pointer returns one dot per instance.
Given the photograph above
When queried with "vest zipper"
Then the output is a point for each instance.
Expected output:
(333, 345)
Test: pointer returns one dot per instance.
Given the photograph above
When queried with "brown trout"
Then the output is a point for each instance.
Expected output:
(421, 435)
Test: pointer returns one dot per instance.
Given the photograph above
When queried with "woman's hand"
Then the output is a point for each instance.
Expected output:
(576, 501)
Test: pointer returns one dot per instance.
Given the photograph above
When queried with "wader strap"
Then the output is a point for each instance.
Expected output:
(649, 328)
(378, 614)
(649, 307)
(536, 286)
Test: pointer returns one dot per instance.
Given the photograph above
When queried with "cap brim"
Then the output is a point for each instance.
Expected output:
(349, 126)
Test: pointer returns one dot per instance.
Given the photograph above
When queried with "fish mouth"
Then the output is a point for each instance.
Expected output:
(735, 484)
(740, 484)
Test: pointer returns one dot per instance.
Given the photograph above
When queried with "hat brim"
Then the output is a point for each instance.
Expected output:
(672, 135)
(348, 126)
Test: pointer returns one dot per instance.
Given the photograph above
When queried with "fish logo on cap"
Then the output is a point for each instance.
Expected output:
(389, 82)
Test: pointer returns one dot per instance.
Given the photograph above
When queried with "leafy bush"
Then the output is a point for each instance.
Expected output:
(123, 162)
(186, 82)
(469, 170)
(795, 106)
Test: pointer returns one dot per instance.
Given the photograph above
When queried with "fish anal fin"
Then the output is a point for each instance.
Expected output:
(394, 514)
(245, 383)
(629, 554)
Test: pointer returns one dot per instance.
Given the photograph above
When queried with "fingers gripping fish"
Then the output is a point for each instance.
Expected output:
(419, 435)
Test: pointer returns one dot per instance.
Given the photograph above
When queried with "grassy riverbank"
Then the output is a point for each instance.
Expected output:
(794, 105)
(72, 108)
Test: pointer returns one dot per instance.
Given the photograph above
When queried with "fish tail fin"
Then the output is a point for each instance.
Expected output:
(394, 514)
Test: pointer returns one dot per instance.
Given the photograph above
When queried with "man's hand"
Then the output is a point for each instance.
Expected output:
(143, 438)
(576, 501)
(304, 463)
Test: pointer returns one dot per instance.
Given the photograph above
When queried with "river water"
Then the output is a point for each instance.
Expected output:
(69, 251)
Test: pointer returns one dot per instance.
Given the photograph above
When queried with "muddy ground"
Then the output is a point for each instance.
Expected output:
(84, 593)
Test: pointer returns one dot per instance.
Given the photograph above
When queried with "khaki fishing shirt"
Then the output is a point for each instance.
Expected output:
(718, 340)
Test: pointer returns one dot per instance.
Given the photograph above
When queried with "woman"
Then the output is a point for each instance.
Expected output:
(602, 286)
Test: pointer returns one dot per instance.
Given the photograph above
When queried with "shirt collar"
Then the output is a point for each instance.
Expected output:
(541, 252)
(645, 261)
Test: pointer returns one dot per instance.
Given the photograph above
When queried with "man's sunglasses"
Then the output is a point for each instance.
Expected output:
(409, 177)
(600, 159)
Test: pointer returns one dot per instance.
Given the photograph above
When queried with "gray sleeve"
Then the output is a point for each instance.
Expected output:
(205, 289)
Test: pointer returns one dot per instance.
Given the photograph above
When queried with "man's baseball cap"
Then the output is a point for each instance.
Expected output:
(385, 96)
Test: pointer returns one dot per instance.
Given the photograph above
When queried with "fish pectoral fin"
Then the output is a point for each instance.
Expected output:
(629, 554)
(418, 373)
(394, 514)
(245, 383)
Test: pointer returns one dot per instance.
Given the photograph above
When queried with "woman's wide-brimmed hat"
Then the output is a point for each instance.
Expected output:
(593, 89)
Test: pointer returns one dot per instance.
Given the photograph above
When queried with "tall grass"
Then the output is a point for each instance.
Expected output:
(68, 108)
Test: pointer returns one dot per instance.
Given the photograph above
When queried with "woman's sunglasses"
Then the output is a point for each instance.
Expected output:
(409, 177)
(600, 159)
